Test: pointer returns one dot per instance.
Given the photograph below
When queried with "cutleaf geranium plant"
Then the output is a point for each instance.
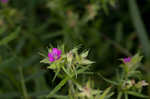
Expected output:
(130, 82)
(69, 65)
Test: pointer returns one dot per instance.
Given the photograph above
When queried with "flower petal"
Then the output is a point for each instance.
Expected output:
(55, 54)
(51, 59)
(58, 52)
(126, 60)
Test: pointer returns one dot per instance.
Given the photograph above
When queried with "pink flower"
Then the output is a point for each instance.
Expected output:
(54, 55)
(4, 1)
(127, 60)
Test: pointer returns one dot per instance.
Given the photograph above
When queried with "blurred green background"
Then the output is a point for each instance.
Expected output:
(111, 29)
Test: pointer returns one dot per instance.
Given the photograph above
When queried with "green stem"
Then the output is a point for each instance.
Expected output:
(119, 95)
(25, 94)
(126, 96)
(71, 89)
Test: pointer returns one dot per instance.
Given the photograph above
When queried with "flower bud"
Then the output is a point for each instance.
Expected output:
(141, 84)
(69, 57)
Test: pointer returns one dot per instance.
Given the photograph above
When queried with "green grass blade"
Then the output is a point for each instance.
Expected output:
(137, 94)
(139, 26)
(10, 37)
(25, 94)
(105, 93)
(119, 95)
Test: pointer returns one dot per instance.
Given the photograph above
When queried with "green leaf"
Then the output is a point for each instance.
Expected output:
(10, 37)
(74, 50)
(136, 58)
(135, 62)
(86, 62)
(105, 93)
(52, 66)
(66, 71)
(46, 60)
(84, 54)
(137, 94)
(56, 74)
